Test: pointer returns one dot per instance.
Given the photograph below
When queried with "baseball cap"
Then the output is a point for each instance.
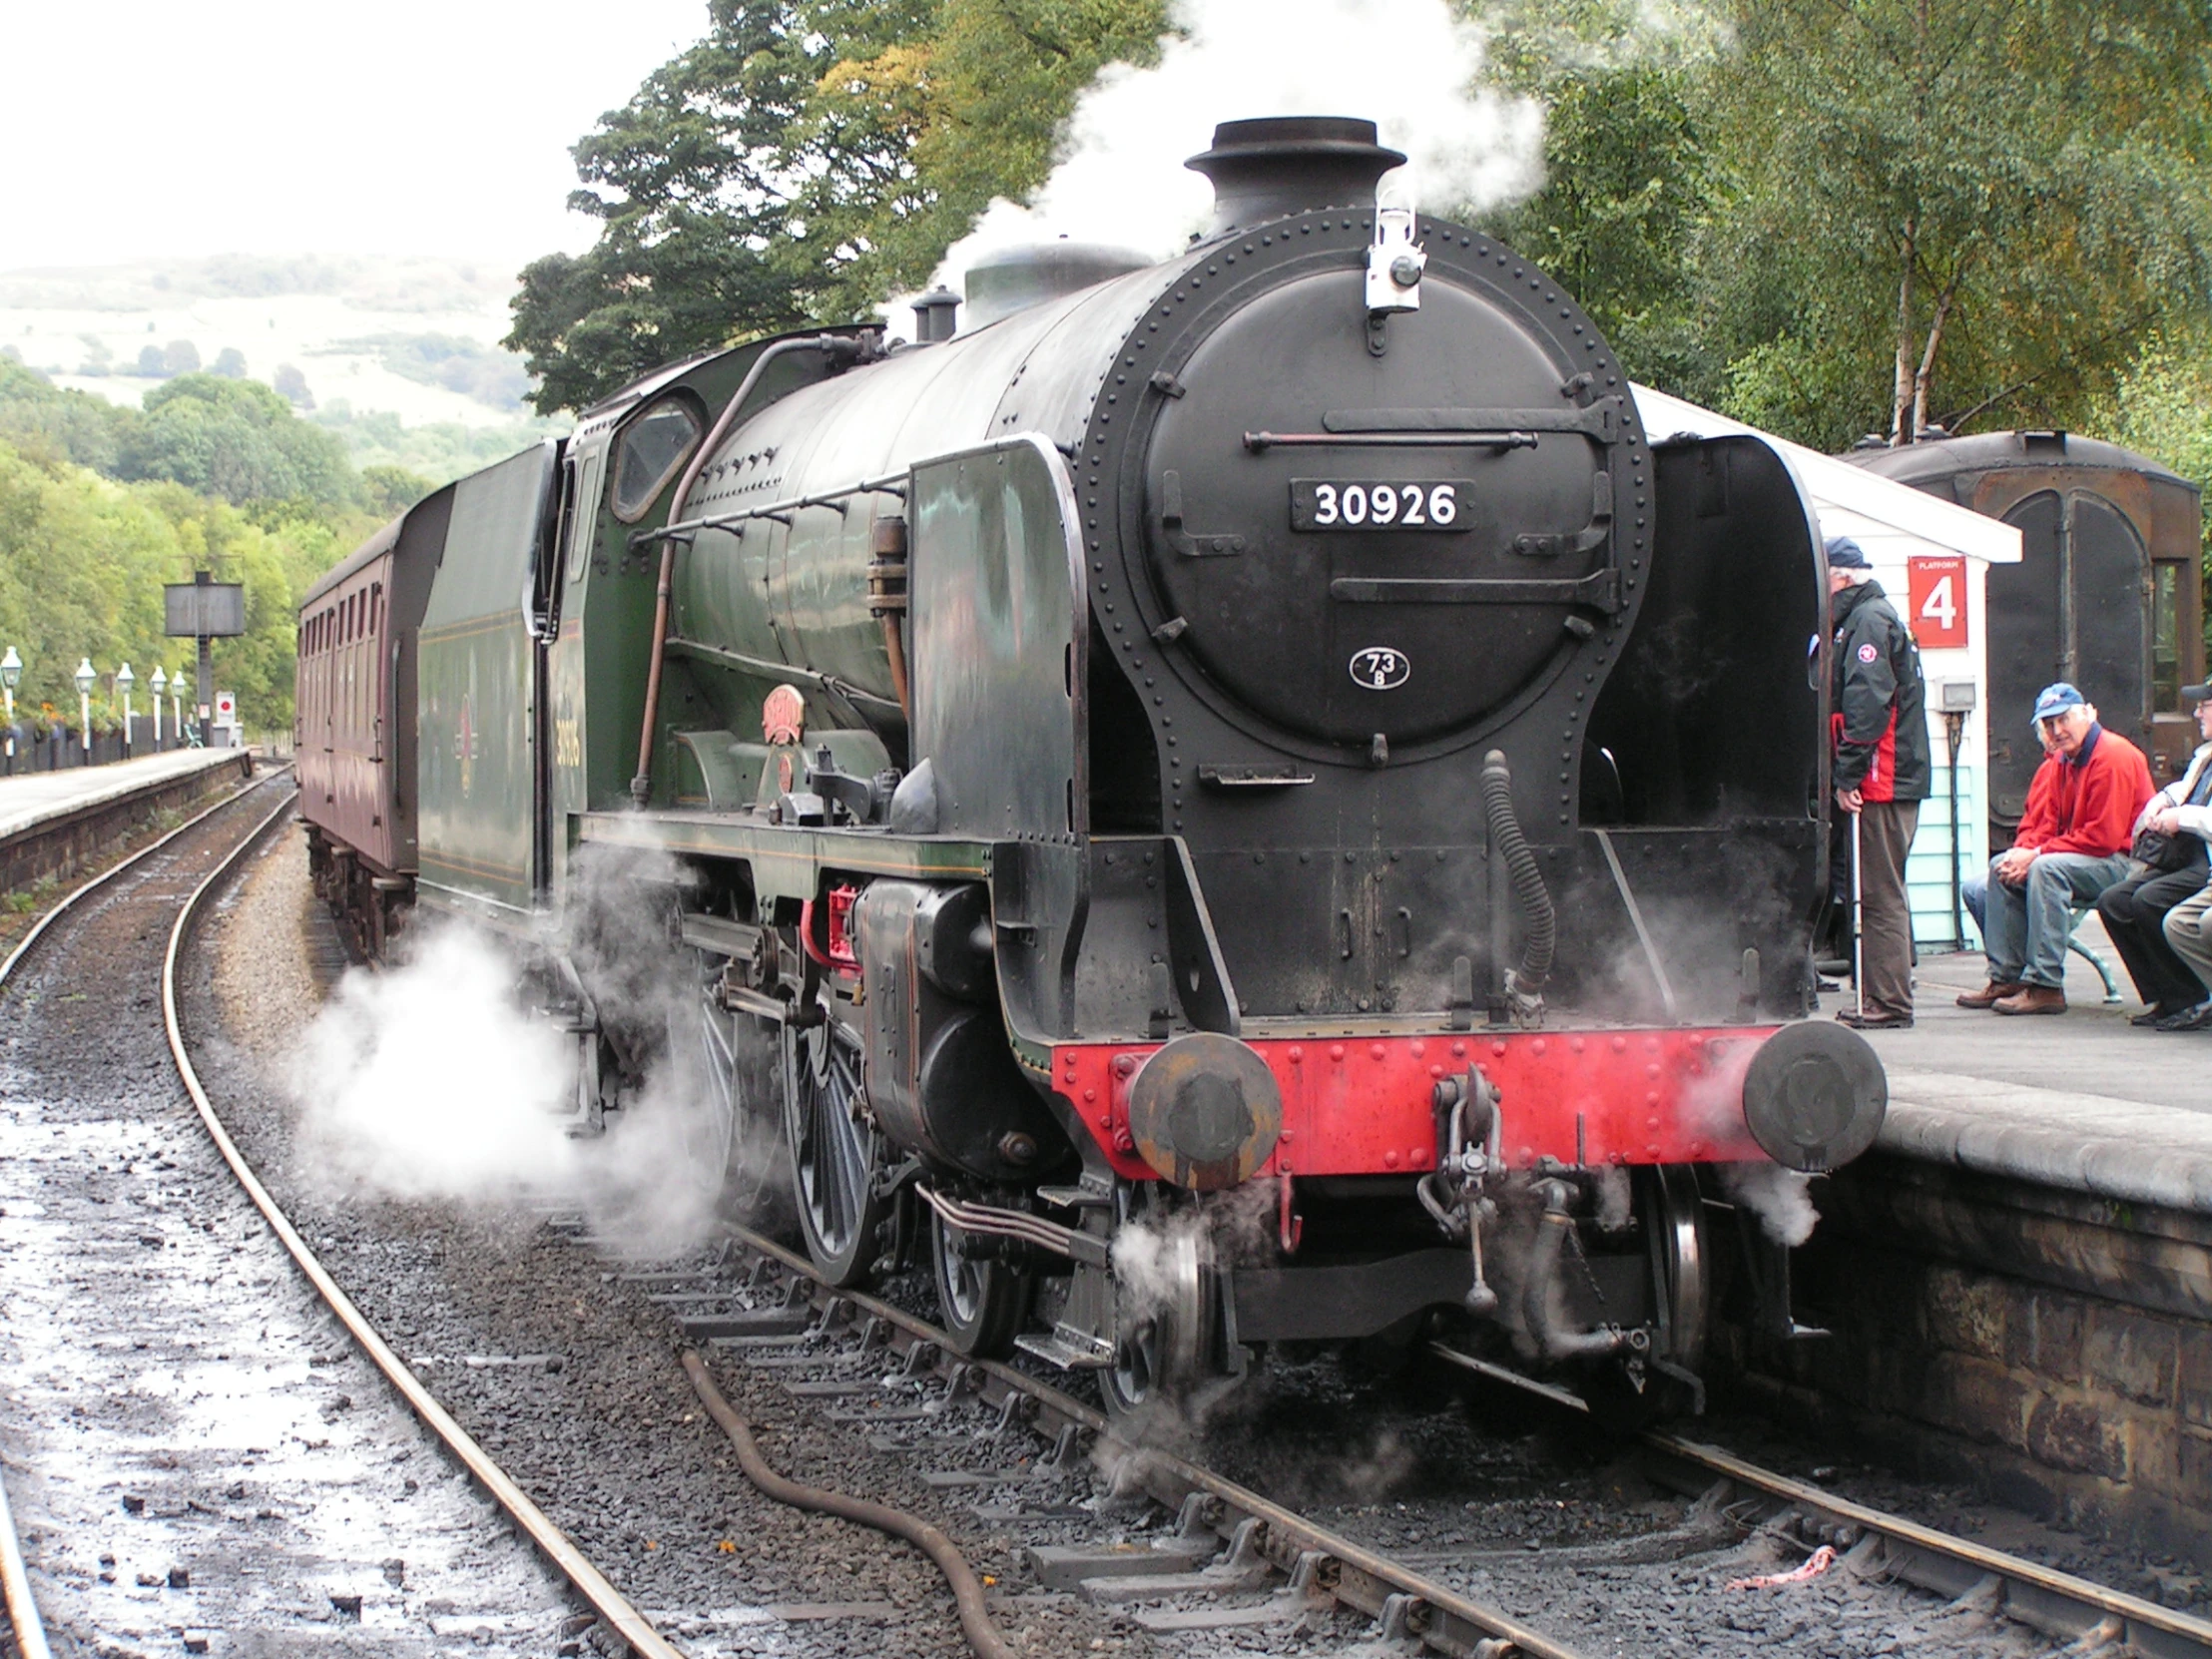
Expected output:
(2057, 699)
(1846, 554)
(2196, 694)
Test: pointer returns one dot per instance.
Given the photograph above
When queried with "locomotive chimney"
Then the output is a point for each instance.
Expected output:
(1284, 164)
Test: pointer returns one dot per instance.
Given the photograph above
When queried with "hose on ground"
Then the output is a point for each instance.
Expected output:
(1530, 892)
(968, 1589)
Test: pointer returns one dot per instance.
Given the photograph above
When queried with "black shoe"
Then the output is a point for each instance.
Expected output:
(1873, 1020)
(1827, 984)
(2156, 1013)
(2189, 1019)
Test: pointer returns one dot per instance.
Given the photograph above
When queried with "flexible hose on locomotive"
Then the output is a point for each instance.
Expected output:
(967, 1590)
(1529, 894)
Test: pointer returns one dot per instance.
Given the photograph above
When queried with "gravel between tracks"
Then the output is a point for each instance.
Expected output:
(598, 1423)
(193, 1453)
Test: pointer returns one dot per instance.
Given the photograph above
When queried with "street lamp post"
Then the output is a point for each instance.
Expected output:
(11, 675)
(160, 683)
(84, 679)
(123, 680)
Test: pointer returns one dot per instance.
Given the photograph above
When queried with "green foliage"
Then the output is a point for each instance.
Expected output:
(237, 440)
(82, 563)
(1991, 200)
(41, 419)
(803, 160)
(391, 491)
(230, 362)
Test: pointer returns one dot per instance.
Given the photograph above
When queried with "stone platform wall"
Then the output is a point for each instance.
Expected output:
(2051, 1348)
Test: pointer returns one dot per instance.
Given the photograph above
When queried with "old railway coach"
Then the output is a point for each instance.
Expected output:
(1252, 766)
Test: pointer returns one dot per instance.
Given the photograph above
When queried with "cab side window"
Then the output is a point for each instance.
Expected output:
(649, 452)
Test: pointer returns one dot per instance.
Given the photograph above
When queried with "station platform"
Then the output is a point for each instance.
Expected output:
(2082, 1101)
(31, 798)
(51, 822)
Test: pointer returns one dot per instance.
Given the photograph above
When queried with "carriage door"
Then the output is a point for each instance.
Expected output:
(2108, 580)
(2026, 652)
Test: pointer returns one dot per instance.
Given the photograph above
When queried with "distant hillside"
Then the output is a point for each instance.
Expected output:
(359, 337)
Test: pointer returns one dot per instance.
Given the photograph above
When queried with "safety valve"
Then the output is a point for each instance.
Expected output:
(1395, 262)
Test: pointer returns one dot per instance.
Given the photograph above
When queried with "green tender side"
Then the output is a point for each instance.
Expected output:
(478, 747)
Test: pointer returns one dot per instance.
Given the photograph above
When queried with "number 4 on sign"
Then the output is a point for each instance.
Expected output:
(1939, 601)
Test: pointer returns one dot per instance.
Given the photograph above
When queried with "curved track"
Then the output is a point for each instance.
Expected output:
(590, 1583)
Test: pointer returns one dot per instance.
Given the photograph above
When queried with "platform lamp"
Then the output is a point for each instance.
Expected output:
(123, 680)
(177, 701)
(160, 683)
(11, 675)
(85, 678)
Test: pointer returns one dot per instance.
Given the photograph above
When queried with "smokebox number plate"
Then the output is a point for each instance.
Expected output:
(1361, 504)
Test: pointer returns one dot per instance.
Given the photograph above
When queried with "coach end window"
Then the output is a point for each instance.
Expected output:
(650, 450)
(2166, 636)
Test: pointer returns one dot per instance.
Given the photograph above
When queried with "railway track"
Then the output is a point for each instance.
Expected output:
(1217, 1560)
(1872, 1542)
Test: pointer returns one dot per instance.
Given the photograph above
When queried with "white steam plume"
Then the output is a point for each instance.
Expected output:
(431, 1081)
(1781, 1198)
(436, 1080)
(1411, 66)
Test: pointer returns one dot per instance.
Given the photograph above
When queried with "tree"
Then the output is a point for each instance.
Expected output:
(803, 160)
(237, 440)
(230, 362)
(689, 183)
(151, 364)
(181, 357)
(389, 491)
(1628, 178)
(1991, 198)
(291, 386)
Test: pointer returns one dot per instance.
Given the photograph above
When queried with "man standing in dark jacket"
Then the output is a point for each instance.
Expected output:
(1880, 775)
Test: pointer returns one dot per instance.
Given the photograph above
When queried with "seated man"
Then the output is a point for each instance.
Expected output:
(2071, 845)
(2170, 865)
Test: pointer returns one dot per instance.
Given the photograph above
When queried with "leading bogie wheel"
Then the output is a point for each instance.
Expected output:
(982, 1300)
(836, 1151)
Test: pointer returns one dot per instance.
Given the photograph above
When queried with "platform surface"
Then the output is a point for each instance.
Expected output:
(2080, 1100)
(29, 799)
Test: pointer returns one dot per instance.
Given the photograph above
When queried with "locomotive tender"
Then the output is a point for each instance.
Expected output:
(1243, 795)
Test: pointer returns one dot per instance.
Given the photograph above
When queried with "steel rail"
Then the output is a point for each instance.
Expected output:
(1406, 1603)
(26, 1625)
(2056, 1603)
(608, 1602)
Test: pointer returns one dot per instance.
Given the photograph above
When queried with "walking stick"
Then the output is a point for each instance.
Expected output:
(1857, 917)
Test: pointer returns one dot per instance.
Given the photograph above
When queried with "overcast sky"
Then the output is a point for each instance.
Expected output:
(152, 128)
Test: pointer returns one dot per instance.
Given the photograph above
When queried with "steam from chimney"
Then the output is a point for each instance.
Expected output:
(1411, 66)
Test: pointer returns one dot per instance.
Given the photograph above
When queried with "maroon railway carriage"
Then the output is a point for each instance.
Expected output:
(353, 724)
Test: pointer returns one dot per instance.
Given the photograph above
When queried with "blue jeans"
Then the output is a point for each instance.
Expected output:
(2025, 928)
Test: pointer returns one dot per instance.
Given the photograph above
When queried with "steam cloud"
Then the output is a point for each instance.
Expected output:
(436, 1080)
(1781, 1198)
(1411, 66)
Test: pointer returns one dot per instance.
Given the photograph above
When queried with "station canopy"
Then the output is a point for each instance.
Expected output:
(1893, 522)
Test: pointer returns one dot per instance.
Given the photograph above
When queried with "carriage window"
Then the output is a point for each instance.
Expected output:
(2166, 636)
(652, 447)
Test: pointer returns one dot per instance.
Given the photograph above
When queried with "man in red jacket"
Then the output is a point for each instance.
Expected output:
(2071, 845)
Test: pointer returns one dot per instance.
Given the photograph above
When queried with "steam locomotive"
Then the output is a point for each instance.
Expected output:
(1231, 801)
